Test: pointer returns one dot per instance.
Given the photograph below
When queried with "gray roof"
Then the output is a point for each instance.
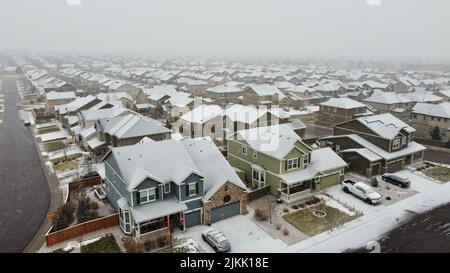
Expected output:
(158, 209)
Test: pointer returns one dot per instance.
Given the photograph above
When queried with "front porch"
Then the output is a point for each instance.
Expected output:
(296, 191)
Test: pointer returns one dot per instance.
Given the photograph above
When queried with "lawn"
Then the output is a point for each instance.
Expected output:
(47, 130)
(305, 221)
(106, 244)
(439, 173)
(54, 146)
(66, 165)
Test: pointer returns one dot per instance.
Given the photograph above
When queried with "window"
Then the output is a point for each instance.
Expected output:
(146, 196)
(396, 143)
(192, 188)
(292, 163)
(244, 150)
(167, 188)
(403, 140)
(305, 160)
(259, 176)
(213, 128)
(247, 126)
(255, 154)
(225, 187)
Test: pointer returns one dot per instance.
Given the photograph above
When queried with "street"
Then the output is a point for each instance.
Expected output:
(24, 192)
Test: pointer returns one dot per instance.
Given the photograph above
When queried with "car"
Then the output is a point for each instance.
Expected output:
(396, 179)
(27, 123)
(216, 239)
(361, 190)
(100, 193)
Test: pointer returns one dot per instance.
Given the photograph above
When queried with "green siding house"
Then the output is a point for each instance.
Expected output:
(276, 156)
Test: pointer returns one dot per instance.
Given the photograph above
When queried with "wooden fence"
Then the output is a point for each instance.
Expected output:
(86, 182)
(258, 193)
(55, 237)
(431, 142)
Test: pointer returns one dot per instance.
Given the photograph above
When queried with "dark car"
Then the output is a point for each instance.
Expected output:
(396, 179)
(216, 240)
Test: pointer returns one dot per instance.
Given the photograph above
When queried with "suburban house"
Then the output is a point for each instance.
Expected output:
(224, 94)
(276, 157)
(337, 110)
(390, 102)
(171, 185)
(68, 111)
(264, 95)
(445, 94)
(54, 98)
(118, 98)
(426, 116)
(375, 144)
(130, 129)
(179, 104)
(301, 96)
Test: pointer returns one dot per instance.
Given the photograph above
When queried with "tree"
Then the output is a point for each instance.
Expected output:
(63, 216)
(435, 133)
(168, 125)
(85, 211)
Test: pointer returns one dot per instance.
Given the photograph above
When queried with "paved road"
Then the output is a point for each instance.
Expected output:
(24, 192)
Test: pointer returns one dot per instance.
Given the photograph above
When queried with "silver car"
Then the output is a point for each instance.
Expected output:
(216, 240)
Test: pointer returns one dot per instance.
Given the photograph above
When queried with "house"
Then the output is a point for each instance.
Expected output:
(224, 94)
(389, 102)
(445, 94)
(179, 104)
(171, 184)
(71, 109)
(265, 95)
(426, 116)
(130, 129)
(337, 110)
(118, 98)
(301, 96)
(276, 157)
(204, 120)
(54, 98)
(373, 145)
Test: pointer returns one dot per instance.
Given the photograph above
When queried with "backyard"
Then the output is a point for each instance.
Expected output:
(47, 130)
(317, 219)
(106, 244)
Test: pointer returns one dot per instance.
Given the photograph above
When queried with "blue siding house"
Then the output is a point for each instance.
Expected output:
(171, 184)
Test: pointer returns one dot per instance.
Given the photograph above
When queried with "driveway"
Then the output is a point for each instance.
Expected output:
(24, 192)
(243, 234)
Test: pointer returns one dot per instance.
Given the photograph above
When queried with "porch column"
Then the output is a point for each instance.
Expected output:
(412, 158)
(288, 186)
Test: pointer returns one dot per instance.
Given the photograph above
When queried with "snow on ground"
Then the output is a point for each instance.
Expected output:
(334, 204)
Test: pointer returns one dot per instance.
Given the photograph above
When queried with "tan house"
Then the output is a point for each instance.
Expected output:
(426, 116)
(337, 110)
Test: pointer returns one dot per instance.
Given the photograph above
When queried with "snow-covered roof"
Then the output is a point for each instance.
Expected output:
(224, 89)
(418, 96)
(385, 125)
(174, 160)
(53, 95)
(379, 96)
(95, 143)
(96, 114)
(203, 113)
(75, 105)
(435, 110)
(132, 125)
(344, 103)
(181, 99)
(243, 113)
(266, 90)
(276, 140)
(364, 152)
(322, 160)
(158, 209)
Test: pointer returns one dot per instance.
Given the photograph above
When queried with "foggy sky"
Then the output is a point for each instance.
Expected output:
(396, 29)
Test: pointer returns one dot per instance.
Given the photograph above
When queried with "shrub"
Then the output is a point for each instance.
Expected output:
(63, 216)
(285, 232)
(285, 210)
(277, 226)
(302, 205)
(94, 205)
(309, 202)
(150, 244)
(85, 212)
(388, 198)
(260, 215)
(295, 206)
(315, 200)
(130, 246)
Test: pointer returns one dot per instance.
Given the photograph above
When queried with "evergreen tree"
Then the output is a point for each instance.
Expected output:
(435, 133)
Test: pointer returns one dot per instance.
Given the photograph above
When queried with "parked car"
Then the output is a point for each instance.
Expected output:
(361, 190)
(396, 179)
(100, 193)
(27, 123)
(216, 240)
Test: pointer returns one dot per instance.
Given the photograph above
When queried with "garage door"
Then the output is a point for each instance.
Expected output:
(226, 211)
(193, 218)
(328, 181)
(394, 166)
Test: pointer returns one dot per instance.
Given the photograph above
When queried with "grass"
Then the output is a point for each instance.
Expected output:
(54, 146)
(106, 244)
(305, 221)
(440, 173)
(42, 121)
(47, 130)
(66, 165)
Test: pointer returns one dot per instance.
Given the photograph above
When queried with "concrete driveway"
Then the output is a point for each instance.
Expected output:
(244, 236)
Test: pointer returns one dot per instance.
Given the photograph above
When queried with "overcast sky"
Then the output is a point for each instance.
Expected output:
(395, 29)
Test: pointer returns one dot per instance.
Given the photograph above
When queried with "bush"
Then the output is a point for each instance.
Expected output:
(302, 205)
(285, 232)
(150, 244)
(278, 226)
(63, 216)
(85, 211)
(388, 198)
(295, 206)
(374, 182)
(94, 205)
(309, 202)
(130, 246)
(315, 200)
(260, 215)
(285, 210)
